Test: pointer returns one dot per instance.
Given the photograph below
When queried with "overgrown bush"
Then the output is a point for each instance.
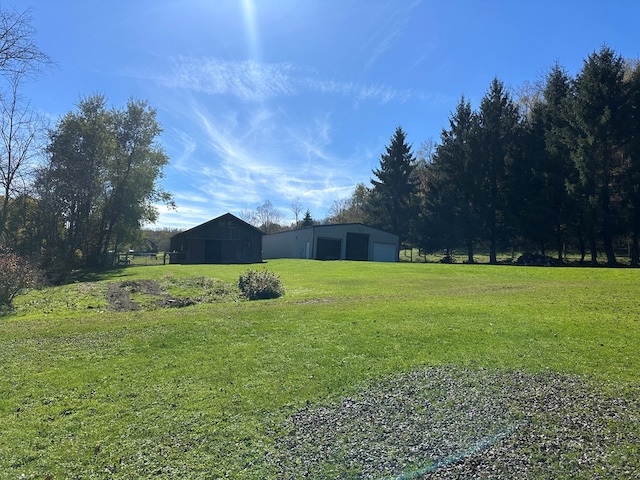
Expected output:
(16, 274)
(258, 285)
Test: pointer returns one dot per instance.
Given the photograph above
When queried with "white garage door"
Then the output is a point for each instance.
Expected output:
(384, 252)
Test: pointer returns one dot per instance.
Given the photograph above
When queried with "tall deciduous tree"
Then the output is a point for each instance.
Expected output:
(20, 58)
(267, 218)
(19, 131)
(131, 174)
(390, 205)
(351, 209)
(70, 184)
(100, 183)
(600, 119)
(296, 209)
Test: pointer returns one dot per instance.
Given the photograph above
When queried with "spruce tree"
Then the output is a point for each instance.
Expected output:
(451, 197)
(499, 124)
(391, 201)
(307, 221)
(600, 121)
(632, 160)
(546, 209)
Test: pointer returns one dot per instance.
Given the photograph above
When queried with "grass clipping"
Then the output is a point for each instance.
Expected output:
(458, 423)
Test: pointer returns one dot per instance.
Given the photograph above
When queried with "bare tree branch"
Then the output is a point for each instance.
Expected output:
(18, 52)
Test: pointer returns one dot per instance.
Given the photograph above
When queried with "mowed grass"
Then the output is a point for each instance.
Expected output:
(199, 392)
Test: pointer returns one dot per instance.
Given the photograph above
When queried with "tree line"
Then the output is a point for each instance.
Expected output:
(556, 169)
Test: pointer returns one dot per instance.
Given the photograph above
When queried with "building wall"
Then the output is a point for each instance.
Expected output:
(225, 239)
(289, 244)
(332, 242)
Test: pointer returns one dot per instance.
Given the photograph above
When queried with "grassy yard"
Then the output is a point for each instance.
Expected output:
(203, 391)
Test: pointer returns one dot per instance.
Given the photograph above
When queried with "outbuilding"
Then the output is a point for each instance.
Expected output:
(352, 241)
(225, 239)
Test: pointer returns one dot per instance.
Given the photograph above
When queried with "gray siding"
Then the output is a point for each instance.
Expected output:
(290, 244)
(352, 241)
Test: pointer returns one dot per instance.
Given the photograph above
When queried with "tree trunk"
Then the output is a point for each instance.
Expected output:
(608, 248)
(635, 238)
(493, 259)
(559, 245)
(607, 228)
(593, 246)
(3, 213)
(470, 251)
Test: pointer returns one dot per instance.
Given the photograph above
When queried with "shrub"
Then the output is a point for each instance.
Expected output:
(16, 274)
(257, 285)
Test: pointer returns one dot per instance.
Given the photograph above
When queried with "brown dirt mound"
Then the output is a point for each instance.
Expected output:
(119, 294)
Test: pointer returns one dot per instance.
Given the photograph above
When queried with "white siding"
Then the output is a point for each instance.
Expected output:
(384, 252)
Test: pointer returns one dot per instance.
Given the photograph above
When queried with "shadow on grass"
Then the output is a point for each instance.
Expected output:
(98, 274)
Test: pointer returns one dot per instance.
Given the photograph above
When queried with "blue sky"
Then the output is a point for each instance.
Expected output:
(296, 99)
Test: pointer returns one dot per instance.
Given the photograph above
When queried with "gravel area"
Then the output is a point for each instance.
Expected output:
(448, 422)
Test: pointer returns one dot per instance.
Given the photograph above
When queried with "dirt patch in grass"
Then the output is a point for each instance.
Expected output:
(119, 295)
(133, 295)
(449, 423)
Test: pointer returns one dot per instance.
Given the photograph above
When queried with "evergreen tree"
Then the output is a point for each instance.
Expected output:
(390, 201)
(499, 124)
(545, 205)
(307, 220)
(451, 186)
(631, 173)
(600, 121)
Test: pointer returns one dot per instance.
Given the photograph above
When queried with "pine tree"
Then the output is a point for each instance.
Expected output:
(451, 207)
(600, 120)
(307, 221)
(499, 124)
(632, 160)
(545, 206)
(390, 205)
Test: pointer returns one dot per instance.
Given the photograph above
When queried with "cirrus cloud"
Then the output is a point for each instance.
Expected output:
(254, 81)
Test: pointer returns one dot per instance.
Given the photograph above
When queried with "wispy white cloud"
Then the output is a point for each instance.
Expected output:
(186, 146)
(253, 81)
(394, 25)
(240, 158)
(248, 80)
(243, 141)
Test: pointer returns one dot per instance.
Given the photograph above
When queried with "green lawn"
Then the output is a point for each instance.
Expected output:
(197, 392)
